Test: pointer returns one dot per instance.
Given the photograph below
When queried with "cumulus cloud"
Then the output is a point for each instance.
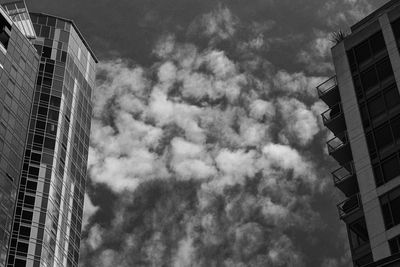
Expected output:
(316, 56)
(219, 24)
(209, 162)
(296, 83)
(88, 211)
(301, 123)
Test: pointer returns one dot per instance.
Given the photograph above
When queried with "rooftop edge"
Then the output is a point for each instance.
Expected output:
(75, 27)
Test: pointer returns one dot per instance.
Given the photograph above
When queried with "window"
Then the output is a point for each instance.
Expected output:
(358, 233)
(383, 136)
(384, 70)
(392, 98)
(5, 30)
(24, 231)
(394, 245)
(390, 204)
(387, 169)
(363, 52)
(369, 79)
(391, 168)
(363, 260)
(396, 128)
(376, 107)
(377, 43)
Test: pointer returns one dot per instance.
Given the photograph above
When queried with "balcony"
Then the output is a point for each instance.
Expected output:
(333, 119)
(349, 206)
(345, 179)
(328, 91)
(339, 149)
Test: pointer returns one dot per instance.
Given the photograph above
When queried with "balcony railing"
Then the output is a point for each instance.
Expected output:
(332, 113)
(349, 206)
(337, 142)
(327, 86)
(343, 173)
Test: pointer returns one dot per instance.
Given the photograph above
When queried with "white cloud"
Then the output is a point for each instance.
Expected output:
(88, 211)
(287, 158)
(235, 166)
(220, 23)
(296, 83)
(95, 238)
(191, 160)
(301, 123)
(204, 124)
(260, 108)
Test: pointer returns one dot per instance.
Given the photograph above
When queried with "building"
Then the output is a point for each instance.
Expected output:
(18, 70)
(48, 217)
(364, 116)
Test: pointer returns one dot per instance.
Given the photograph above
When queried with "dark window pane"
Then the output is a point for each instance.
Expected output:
(27, 215)
(377, 43)
(53, 115)
(376, 106)
(25, 231)
(387, 217)
(392, 98)
(364, 115)
(55, 101)
(40, 125)
(394, 245)
(391, 168)
(34, 171)
(383, 136)
(29, 200)
(378, 176)
(369, 79)
(46, 52)
(396, 128)
(364, 260)
(395, 210)
(370, 142)
(362, 52)
(31, 185)
(49, 143)
(384, 70)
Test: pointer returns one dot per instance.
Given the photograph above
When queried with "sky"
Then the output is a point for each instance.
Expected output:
(207, 147)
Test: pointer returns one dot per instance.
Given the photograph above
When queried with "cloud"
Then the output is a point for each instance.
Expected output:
(348, 11)
(316, 56)
(219, 24)
(301, 123)
(192, 146)
(297, 83)
(88, 211)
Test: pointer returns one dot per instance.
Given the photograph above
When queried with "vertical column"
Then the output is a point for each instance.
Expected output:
(362, 163)
(391, 45)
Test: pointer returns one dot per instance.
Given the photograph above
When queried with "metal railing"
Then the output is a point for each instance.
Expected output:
(349, 205)
(332, 113)
(337, 142)
(326, 86)
(343, 173)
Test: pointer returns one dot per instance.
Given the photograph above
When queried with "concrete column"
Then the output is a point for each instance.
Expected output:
(391, 46)
(362, 163)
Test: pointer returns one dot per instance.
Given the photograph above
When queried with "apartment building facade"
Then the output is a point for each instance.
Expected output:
(364, 115)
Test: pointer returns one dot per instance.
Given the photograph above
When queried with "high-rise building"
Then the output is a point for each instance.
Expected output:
(364, 116)
(18, 70)
(47, 224)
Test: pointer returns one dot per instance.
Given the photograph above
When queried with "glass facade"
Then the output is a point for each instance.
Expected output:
(18, 70)
(379, 103)
(48, 219)
(18, 12)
